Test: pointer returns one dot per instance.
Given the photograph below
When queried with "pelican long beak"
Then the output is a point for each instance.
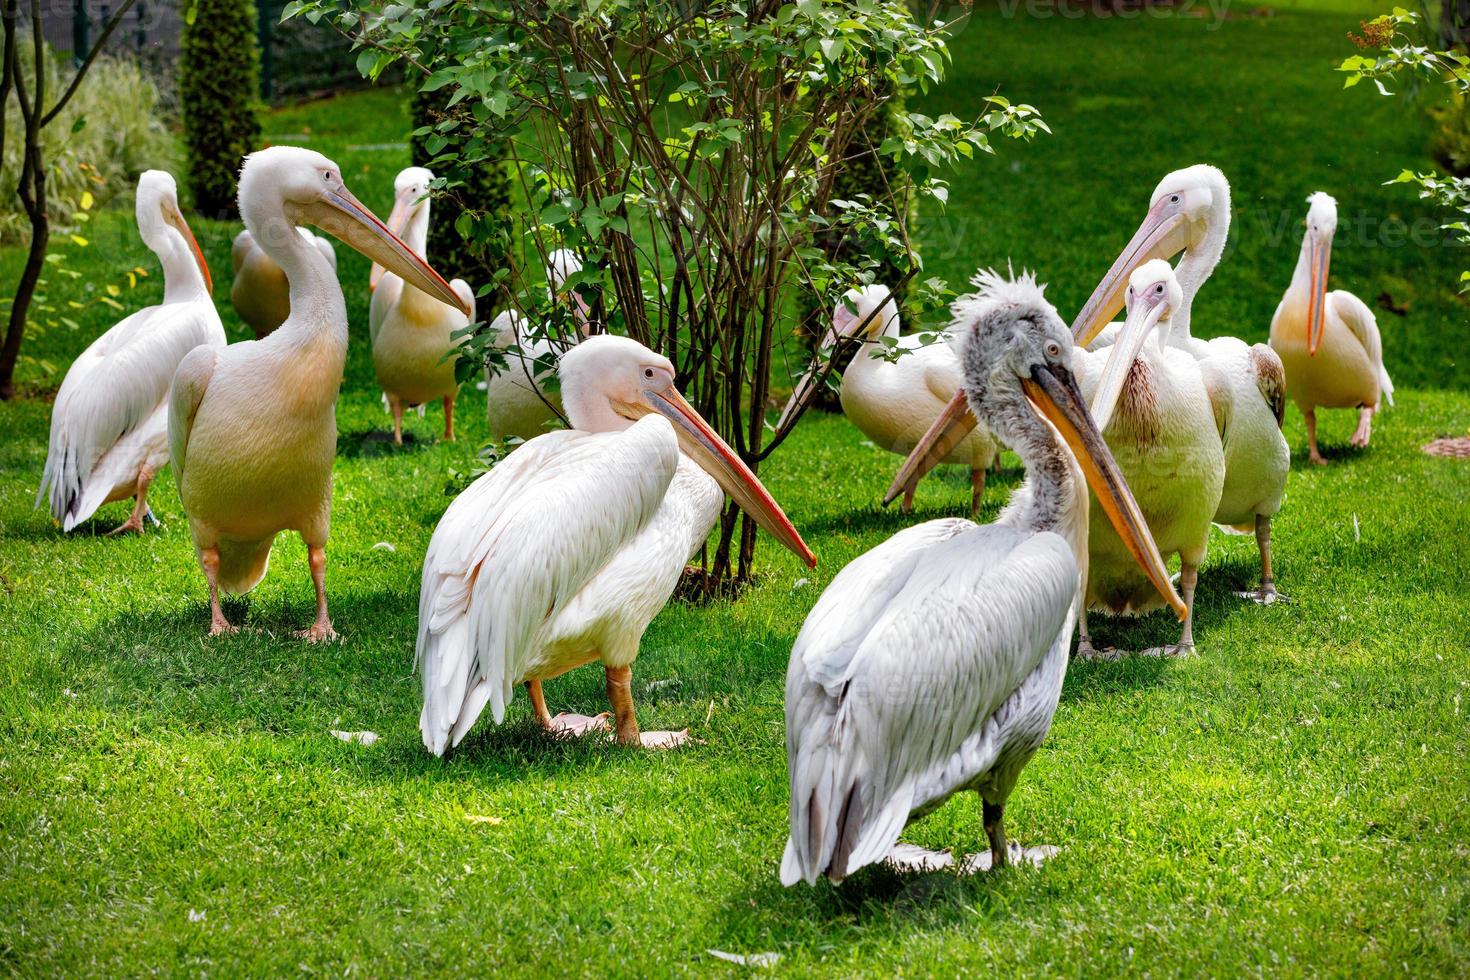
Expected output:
(1142, 320)
(1053, 392)
(397, 218)
(715, 456)
(1320, 259)
(948, 431)
(343, 217)
(173, 216)
(1159, 237)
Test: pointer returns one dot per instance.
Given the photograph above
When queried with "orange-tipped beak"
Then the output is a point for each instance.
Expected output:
(173, 216)
(343, 216)
(1320, 259)
(1053, 392)
(715, 456)
(948, 431)
(1160, 236)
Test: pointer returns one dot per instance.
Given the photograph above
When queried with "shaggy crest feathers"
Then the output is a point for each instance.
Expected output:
(995, 290)
(1323, 198)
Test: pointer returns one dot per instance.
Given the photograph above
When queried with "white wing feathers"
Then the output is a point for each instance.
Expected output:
(1364, 325)
(897, 674)
(514, 549)
(113, 387)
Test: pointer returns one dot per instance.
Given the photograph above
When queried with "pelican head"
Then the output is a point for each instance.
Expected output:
(1321, 226)
(161, 224)
(1153, 296)
(1189, 208)
(868, 311)
(283, 187)
(1016, 356)
(410, 207)
(609, 382)
(562, 265)
(410, 196)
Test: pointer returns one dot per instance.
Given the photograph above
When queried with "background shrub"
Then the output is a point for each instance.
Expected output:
(219, 82)
(121, 134)
(484, 197)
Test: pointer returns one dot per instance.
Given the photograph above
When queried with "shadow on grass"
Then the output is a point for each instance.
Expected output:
(378, 443)
(1339, 453)
(876, 897)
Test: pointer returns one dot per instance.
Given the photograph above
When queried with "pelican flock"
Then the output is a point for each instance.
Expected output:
(1189, 213)
(892, 400)
(253, 426)
(109, 425)
(932, 665)
(1328, 341)
(260, 294)
(563, 554)
(412, 333)
(1150, 401)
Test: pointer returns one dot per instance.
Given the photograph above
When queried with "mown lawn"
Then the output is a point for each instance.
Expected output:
(1295, 799)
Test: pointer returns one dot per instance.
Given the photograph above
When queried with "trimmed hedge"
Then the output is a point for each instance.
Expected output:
(219, 85)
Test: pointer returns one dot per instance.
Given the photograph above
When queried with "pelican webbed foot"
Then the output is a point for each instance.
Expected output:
(1086, 651)
(1170, 650)
(664, 740)
(1365, 428)
(1015, 854)
(1264, 595)
(569, 725)
(317, 633)
(130, 526)
(219, 626)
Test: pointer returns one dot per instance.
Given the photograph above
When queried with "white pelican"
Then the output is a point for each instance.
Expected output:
(260, 293)
(109, 425)
(517, 401)
(893, 402)
(253, 426)
(933, 663)
(1154, 410)
(562, 554)
(1328, 342)
(1190, 210)
(411, 331)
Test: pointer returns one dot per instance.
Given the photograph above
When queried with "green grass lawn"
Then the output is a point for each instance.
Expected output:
(1295, 799)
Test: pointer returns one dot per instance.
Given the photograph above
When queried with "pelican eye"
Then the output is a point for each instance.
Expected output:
(1053, 349)
(1174, 199)
(648, 373)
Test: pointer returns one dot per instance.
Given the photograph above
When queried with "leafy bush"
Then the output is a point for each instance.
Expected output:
(481, 195)
(109, 132)
(219, 82)
(1452, 134)
(866, 175)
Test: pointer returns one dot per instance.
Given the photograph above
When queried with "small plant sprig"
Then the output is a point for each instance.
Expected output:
(1400, 54)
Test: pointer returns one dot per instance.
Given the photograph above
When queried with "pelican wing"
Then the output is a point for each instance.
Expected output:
(465, 293)
(239, 249)
(190, 383)
(325, 247)
(942, 376)
(514, 549)
(384, 298)
(1364, 325)
(898, 673)
(113, 387)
